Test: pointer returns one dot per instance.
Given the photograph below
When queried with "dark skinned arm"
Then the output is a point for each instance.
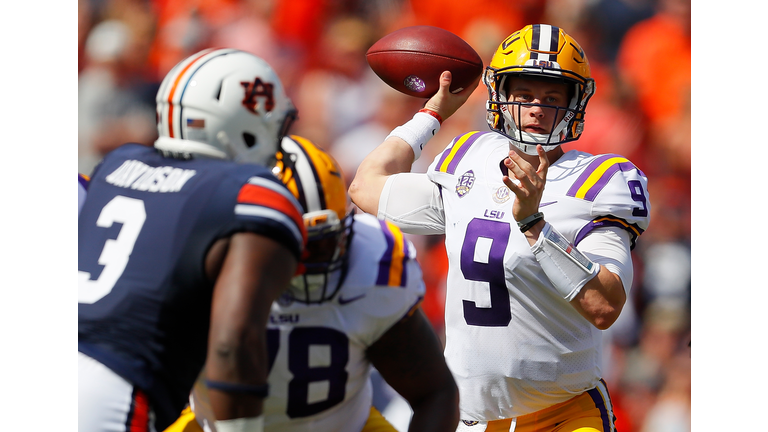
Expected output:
(254, 271)
(409, 357)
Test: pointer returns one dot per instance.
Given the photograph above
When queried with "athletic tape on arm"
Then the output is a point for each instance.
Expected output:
(417, 131)
(249, 424)
(567, 268)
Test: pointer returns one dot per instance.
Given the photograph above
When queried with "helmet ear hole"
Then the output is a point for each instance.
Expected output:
(218, 90)
(250, 139)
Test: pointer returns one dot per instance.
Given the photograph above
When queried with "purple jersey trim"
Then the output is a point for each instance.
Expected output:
(464, 142)
(597, 185)
(385, 265)
(606, 221)
(82, 180)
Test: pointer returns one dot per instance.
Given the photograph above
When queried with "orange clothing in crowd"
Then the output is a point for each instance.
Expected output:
(655, 58)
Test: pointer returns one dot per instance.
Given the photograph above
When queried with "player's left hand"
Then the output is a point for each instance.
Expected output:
(529, 186)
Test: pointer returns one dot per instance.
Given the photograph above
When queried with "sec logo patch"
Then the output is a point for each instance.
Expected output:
(501, 195)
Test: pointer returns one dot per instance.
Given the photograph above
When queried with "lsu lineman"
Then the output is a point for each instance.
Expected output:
(356, 305)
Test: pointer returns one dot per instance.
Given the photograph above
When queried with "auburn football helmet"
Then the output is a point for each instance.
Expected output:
(542, 51)
(316, 180)
(223, 103)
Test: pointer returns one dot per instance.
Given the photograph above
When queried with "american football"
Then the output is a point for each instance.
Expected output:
(411, 60)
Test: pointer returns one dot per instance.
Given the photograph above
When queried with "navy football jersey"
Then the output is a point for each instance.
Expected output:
(143, 233)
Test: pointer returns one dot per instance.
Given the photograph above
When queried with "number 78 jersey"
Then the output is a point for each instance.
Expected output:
(514, 344)
(319, 373)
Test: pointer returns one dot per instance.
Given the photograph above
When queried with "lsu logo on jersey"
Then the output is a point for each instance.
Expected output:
(465, 183)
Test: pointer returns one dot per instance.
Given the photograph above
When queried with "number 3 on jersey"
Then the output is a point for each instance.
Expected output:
(114, 257)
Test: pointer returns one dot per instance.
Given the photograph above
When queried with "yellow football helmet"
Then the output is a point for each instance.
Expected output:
(543, 51)
(316, 180)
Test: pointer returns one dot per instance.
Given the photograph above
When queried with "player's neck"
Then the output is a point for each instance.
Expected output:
(553, 155)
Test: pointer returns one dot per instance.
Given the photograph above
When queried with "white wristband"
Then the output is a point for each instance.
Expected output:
(567, 268)
(247, 424)
(417, 131)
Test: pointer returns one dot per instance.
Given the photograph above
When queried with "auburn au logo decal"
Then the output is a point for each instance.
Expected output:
(258, 88)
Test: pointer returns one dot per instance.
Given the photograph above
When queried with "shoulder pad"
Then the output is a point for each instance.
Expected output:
(618, 191)
(382, 254)
(449, 159)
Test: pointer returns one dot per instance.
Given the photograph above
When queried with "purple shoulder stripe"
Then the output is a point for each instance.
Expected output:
(453, 154)
(594, 178)
(393, 269)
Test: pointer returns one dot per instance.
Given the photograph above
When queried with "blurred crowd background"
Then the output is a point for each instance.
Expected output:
(640, 54)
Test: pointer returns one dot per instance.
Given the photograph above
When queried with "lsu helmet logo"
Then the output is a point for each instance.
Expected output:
(258, 88)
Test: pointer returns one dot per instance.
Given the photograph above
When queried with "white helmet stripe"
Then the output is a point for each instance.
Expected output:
(308, 181)
(546, 38)
(177, 82)
(308, 184)
(170, 83)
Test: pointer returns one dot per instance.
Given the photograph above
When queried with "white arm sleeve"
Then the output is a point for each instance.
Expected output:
(416, 206)
(609, 247)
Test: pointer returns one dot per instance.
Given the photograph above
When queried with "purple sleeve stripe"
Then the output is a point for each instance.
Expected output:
(597, 174)
(386, 261)
(452, 156)
(605, 221)
(82, 180)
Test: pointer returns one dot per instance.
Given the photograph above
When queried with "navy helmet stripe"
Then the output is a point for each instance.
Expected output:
(536, 37)
(554, 42)
(545, 38)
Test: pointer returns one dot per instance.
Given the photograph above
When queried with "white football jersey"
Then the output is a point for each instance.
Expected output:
(514, 345)
(319, 376)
